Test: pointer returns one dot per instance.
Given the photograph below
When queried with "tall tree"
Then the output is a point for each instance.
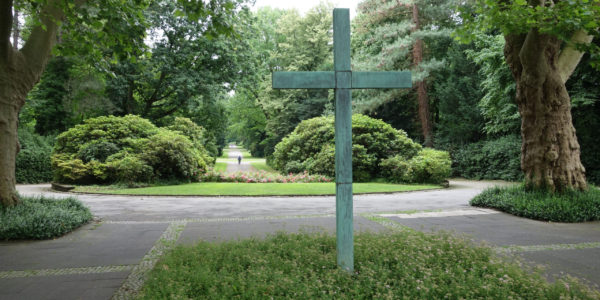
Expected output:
(303, 44)
(394, 35)
(545, 41)
(97, 22)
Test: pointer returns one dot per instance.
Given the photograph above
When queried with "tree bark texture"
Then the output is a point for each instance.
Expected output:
(422, 99)
(550, 151)
(20, 70)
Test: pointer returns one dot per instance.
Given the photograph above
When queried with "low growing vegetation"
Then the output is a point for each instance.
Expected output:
(42, 218)
(311, 147)
(262, 177)
(567, 206)
(403, 265)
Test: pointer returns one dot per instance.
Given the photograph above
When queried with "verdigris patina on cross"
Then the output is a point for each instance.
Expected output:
(343, 80)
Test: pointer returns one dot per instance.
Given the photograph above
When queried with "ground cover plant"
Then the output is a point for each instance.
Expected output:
(311, 147)
(566, 206)
(253, 189)
(42, 218)
(400, 265)
(130, 149)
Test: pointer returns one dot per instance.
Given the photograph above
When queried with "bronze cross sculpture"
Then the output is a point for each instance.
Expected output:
(342, 80)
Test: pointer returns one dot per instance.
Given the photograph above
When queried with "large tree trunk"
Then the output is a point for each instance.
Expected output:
(423, 101)
(19, 72)
(12, 98)
(550, 151)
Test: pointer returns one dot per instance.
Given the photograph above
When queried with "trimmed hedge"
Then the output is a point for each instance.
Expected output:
(42, 218)
(33, 161)
(568, 206)
(129, 149)
(493, 159)
(378, 150)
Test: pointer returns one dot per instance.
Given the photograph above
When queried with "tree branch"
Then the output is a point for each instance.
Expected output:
(37, 48)
(6, 20)
(532, 56)
(570, 57)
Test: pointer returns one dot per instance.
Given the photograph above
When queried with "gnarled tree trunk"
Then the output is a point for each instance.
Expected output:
(11, 101)
(550, 151)
(20, 70)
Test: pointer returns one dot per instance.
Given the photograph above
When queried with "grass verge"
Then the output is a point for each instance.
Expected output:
(262, 166)
(220, 166)
(254, 189)
(569, 206)
(42, 218)
(401, 265)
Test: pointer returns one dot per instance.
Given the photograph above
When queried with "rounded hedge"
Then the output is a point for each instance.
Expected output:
(129, 149)
(311, 147)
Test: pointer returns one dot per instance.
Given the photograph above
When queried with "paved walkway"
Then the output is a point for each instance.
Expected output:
(110, 257)
(233, 167)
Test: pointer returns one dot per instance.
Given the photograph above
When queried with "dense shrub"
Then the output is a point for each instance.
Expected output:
(311, 147)
(493, 159)
(33, 161)
(42, 218)
(129, 149)
(568, 206)
(197, 134)
(429, 165)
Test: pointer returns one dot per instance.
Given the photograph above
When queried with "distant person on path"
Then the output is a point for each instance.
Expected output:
(239, 159)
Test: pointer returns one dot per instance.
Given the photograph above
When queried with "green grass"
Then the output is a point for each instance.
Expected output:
(254, 189)
(569, 206)
(262, 166)
(220, 166)
(401, 265)
(42, 218)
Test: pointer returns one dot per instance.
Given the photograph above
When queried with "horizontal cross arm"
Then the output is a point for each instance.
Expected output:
(303, 80)
(381, 80)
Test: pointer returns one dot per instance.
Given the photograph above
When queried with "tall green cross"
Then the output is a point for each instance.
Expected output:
(342, 80)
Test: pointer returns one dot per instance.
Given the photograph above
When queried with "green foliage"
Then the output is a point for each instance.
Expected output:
(398, 265)
(302, 43)
(429, 165)
(173, 156)
(497, 106)
(196, 134)
(456, 90)
(567, 206)
(311, 147)
(492, 159)
(42, 218)
(129, 149)
(33, 161)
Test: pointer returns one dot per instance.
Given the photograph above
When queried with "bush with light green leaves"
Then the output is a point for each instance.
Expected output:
(129, 149)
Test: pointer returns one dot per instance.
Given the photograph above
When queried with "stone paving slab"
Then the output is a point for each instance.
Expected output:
(581, 263)
(91, 245)
(505, 229)
(219, 231)
(88, 287)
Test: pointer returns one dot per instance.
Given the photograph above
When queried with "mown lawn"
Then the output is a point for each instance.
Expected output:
(254, 189)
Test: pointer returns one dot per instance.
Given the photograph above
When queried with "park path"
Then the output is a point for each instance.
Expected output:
(233, 167)
(110, 257)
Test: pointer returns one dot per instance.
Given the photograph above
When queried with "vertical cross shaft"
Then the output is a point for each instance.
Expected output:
(343, 139)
